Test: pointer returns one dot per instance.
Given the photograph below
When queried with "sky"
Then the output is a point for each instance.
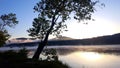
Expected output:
(107, 19)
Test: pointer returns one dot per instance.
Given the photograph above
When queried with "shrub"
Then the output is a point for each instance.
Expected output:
(13, 55)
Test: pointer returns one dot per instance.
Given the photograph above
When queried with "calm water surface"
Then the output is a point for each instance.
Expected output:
(99, 56)
(90, 56)
(81, 59)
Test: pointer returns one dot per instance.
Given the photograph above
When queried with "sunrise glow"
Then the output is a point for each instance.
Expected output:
(99, 27)
(91, 56)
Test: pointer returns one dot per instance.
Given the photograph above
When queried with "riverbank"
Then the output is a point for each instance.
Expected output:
(12, 59)
(32, 64)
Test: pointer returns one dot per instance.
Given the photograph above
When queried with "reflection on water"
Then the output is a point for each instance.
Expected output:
(91, 58)
(101, 56)
(88, 56)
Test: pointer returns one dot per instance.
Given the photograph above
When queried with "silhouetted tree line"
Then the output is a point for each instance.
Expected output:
(103, 40)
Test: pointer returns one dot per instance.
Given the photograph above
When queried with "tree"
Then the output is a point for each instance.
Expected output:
(6, 20)
(53, 15)
(3, 37)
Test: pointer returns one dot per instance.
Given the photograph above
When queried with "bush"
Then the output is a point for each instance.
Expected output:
(51, 54)
(13, 55)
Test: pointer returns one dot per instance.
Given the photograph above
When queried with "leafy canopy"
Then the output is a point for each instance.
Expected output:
(54, 13)
(3, 37)
(6, 20)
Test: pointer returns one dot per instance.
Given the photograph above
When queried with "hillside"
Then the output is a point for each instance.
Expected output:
(110, 39)
(62, 38)
(103, 40)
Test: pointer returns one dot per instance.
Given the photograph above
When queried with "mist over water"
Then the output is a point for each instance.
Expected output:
(96, 56)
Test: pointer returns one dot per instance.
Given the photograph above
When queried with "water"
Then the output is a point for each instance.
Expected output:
(90, 56)
(97, 56)
(80, 59)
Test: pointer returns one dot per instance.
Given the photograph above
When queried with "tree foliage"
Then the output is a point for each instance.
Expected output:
(3, 37)
(55, 13)
(6, 20)
(40, 27)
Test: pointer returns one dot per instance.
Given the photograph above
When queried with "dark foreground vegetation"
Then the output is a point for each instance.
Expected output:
(11, 59)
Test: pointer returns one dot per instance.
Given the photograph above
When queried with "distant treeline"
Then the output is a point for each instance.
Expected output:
(103, 40)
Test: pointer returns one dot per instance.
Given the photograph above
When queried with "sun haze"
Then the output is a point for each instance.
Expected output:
(106, 22)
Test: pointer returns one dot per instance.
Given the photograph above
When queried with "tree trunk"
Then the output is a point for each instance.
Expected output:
(41, 47)
(38, 51)
(44, 42)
